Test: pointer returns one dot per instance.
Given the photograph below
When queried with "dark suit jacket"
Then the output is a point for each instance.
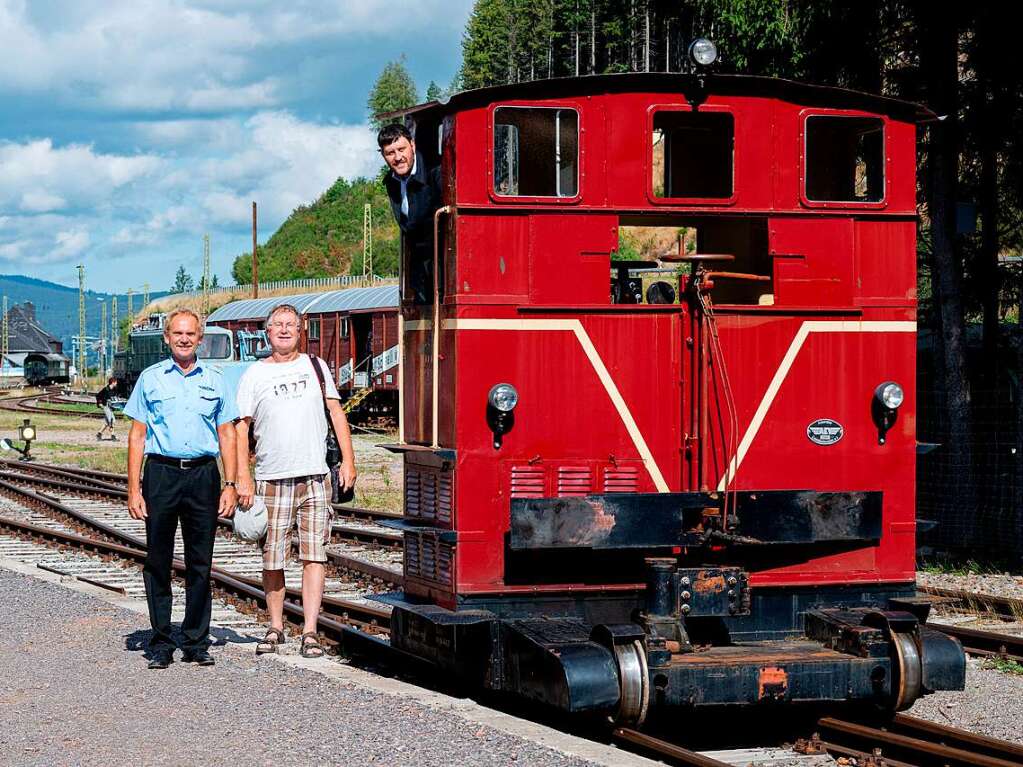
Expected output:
(424, 197)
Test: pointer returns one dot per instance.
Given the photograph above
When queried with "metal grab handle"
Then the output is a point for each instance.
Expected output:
(737, 276)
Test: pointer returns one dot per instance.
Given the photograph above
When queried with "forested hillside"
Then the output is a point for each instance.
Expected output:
(325, 237)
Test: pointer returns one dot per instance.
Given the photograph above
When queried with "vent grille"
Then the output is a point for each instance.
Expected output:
(623, 479)
(428, 559)
(428, 494)
(527, 482)
(574, 481)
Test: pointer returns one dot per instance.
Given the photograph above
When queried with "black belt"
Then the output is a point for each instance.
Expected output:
(181, 463)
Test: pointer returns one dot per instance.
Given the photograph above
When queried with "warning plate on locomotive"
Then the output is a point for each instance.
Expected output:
(824, 431)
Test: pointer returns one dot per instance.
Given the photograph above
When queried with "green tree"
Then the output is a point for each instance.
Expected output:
(393, 90)
(433, 92)
(324, 238)
(183, 281)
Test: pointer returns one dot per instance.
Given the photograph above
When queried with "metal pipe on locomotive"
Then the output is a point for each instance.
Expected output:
(696, 488)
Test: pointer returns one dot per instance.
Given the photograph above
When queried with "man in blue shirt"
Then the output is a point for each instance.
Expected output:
(182, 417)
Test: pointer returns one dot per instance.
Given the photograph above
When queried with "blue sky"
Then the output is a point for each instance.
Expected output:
(129, 128)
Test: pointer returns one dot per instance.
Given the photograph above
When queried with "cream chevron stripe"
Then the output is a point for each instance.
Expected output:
(576, 327)
(808, 327)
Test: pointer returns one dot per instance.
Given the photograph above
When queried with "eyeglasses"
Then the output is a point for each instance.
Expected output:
(284, 325)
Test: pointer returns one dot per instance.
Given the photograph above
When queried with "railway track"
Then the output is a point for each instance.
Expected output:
(47, 403)
(360, 530)
(91, 518)
(906, 740)
(106, 529)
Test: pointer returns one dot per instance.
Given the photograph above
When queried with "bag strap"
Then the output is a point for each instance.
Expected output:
(323, 390)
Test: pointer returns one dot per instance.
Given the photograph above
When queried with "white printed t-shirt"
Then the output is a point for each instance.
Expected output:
(284, 401)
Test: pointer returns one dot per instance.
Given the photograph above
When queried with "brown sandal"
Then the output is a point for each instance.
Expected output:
(311, 647)
(270, 641)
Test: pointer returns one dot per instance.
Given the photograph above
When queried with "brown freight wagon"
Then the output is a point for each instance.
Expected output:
(354, 330)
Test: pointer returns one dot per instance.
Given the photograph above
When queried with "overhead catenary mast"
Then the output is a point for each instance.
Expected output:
(367, 242)
(102, 365)
(114, 333)
(81, 322)
(205, 275)
(6, 348)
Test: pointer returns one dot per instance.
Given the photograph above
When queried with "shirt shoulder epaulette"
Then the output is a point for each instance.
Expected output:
(152, 369)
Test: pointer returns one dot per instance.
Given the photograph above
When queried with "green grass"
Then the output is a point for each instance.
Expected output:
(1004, 665)
(960, 567)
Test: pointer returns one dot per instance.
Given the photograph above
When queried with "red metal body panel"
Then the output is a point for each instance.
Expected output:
(608, 393)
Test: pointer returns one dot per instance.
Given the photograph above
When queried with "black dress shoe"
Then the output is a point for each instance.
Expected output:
(161, 659)
(200, 657)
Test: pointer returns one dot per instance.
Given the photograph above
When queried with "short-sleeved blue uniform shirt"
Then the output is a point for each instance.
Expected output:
(181, 411)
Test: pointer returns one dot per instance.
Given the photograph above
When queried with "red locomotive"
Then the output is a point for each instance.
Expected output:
(633, 485)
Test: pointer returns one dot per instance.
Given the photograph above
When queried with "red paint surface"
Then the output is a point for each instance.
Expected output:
(546, 259)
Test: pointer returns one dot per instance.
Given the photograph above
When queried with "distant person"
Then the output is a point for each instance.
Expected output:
(415, 194)
(103, 398)
(280, 399)
(182, 417)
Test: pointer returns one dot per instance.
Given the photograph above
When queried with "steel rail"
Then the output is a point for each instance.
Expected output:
(1003, 606)
(120, 481)
(374, 617)
(914, 750)
(338, 531)
(953, 736)
(990, 644)
(665, 751)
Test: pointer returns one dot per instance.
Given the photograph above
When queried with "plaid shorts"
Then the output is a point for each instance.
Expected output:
(308, 499)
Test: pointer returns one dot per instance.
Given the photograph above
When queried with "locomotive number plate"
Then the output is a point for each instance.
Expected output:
(824, 431)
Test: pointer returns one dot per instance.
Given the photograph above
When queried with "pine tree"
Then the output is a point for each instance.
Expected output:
(394, 90)
(183, 281)
(485, 45)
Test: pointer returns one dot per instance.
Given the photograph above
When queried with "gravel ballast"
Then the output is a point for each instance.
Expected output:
(74, 689)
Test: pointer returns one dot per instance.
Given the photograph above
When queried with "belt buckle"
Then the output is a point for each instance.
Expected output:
(185, 463)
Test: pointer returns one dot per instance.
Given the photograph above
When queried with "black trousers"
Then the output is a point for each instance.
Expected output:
(192, 496)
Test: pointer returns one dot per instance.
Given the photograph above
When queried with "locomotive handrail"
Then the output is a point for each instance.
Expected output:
(695, 258)
(738, 276)
(447, 209)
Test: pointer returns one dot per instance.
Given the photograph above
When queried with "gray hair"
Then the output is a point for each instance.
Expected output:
(188, 313)
(282, 308)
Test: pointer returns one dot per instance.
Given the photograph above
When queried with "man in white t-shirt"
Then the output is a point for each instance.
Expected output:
(280, 399)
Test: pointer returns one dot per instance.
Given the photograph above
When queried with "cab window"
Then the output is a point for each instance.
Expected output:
(844, 158)
(693, 154)
(536, 152)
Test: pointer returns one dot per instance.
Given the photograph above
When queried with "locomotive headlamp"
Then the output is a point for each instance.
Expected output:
(885, 407)
(503, 397)
(501, 402)
(890, 394)
(703, 52)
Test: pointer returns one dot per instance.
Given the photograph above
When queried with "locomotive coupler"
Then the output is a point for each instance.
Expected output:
(676, 594)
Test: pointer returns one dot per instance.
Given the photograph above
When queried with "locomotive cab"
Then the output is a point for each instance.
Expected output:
(657, 384)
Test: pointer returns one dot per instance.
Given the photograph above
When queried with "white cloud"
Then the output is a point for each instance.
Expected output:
(39, 201)
(69, 244)
(191, 55)
(284, 162)
(36, 176)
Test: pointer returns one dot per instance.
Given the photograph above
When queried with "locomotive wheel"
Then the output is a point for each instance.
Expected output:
(635, 684)
(906, 685)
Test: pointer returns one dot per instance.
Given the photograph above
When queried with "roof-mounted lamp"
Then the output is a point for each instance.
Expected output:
(702, 52)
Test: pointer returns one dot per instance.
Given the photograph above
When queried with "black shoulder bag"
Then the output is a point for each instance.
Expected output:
(333, 448)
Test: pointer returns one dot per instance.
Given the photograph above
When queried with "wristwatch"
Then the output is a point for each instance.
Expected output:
(230, 483)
